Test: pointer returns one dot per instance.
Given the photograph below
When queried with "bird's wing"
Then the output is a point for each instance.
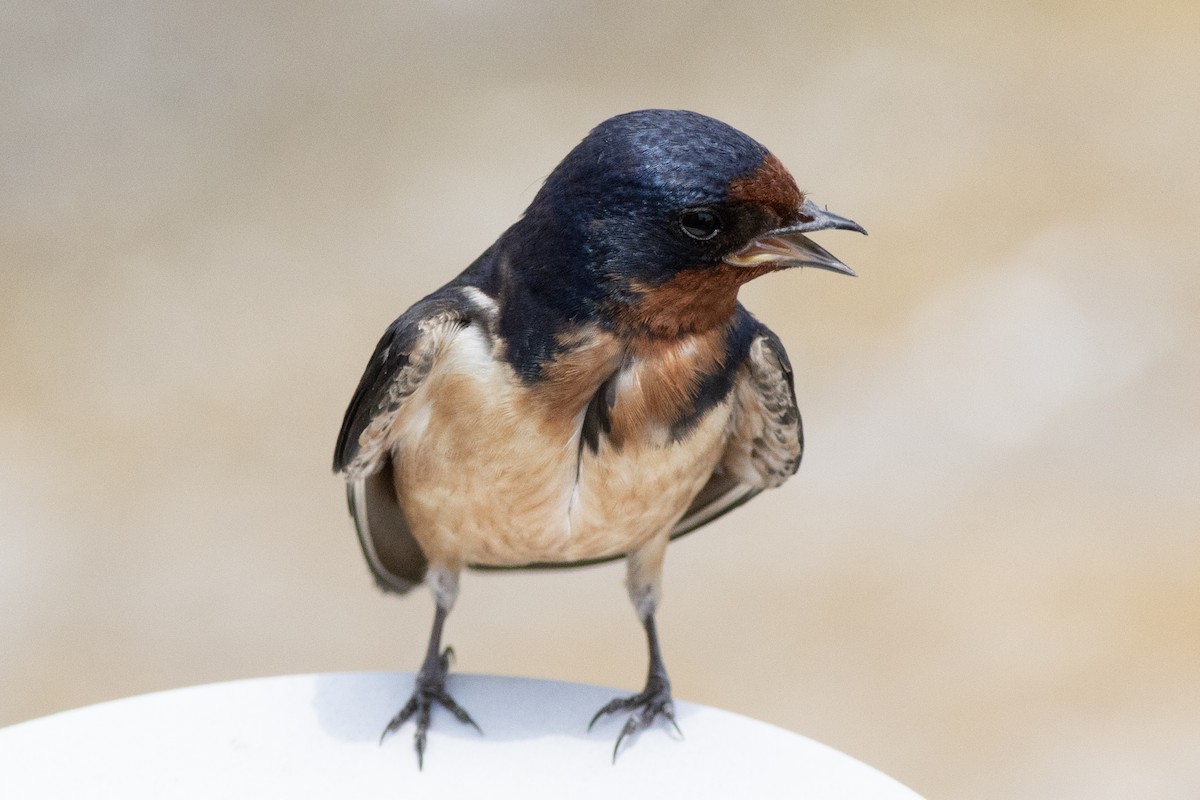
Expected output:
(766, 438)
(401, 361)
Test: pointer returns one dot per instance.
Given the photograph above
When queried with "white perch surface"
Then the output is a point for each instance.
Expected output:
(317, 736)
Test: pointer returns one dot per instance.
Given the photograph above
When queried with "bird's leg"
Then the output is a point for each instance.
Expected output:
(654, 701)
(430, 685)
(648, 705)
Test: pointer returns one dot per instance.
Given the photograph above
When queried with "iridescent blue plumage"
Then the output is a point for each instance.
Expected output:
(606, 218)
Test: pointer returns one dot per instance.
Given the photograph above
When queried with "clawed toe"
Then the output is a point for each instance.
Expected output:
(429, 689)
(653, 703)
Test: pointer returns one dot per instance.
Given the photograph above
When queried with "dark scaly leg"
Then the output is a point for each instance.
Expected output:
(648, 705)
(431, 680)
(653, 702)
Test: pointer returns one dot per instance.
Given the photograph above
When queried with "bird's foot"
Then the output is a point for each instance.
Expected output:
(650, 704)
(430, 689)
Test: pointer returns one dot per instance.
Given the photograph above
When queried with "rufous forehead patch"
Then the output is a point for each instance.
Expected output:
(770, 185)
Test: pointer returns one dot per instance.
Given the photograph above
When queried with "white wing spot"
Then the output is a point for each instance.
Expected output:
(479, 299)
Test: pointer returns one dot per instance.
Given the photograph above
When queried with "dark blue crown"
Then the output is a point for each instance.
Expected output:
(678, 157)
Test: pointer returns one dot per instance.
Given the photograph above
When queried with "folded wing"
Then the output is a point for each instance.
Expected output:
(766, 437)
(402, 360)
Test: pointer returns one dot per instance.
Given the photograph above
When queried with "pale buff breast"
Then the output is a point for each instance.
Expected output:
(489, 471)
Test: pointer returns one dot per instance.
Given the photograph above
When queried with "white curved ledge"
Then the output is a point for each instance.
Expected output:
(310, 736)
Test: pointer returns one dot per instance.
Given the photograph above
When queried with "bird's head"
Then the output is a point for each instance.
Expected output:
(670, 212)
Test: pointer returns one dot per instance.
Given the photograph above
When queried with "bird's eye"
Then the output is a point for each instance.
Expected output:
(700, 223)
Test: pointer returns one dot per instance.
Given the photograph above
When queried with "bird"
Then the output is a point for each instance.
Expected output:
(589, 388)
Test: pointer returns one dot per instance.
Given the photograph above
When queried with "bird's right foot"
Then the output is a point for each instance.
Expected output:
(651, 704)
(430, 689)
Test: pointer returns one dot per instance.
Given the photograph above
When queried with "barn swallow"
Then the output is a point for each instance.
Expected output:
(589, 388)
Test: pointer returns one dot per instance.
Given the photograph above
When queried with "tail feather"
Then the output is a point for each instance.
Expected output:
(393, 554)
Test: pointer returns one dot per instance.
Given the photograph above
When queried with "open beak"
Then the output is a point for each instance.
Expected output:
(789, 247)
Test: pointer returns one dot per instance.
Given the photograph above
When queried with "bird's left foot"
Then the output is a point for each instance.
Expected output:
(430, 690)
(650, 704)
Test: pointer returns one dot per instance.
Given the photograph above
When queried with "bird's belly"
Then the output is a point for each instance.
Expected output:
(626, 497)
(490, 476)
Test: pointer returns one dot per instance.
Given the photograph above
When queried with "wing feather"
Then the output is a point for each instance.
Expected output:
(402, 360)
(766, 439)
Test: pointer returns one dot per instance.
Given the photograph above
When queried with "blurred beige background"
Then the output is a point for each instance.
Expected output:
(985, 579)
